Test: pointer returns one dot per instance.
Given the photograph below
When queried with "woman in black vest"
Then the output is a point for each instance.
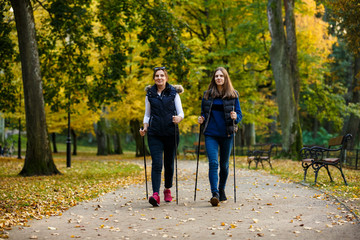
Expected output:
(220, 109)
(163, 110)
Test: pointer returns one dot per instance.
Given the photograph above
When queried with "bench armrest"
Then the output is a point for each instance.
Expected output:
(306, 153)
(319, 153)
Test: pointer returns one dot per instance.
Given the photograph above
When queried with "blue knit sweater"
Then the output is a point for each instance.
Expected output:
(217, 125)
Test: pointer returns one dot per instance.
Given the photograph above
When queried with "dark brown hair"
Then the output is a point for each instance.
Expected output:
(228, 90)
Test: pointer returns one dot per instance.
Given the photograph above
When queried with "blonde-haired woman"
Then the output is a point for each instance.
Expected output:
(220, 107)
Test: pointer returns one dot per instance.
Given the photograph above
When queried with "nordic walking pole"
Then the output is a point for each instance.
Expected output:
(234, 158)
(177, 194)
(197, 163)
(143, 143)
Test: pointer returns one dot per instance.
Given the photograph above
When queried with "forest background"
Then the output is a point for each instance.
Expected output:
(96, 57)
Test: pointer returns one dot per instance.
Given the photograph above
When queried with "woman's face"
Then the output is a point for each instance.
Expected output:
(160, 78)
(219, 78)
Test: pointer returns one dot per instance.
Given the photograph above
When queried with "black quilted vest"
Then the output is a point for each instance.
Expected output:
(162, 110)
(229, 105)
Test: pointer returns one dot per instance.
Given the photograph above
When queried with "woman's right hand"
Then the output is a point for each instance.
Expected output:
(143, 131)
(201, 119)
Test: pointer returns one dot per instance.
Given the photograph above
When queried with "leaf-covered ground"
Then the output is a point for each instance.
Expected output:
(292, 170)
(266, 206)
(91, 176)
(24, 198)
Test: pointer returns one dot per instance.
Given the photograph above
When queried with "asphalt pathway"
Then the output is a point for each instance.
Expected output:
(266, 208)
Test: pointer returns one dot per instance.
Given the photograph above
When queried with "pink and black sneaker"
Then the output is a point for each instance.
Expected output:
(155, 199)
(167, 195)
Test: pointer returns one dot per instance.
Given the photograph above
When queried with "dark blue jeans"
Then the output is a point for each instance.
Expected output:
(213, 144)
(162, 149)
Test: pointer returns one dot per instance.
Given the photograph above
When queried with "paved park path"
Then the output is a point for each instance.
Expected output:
(266, 208)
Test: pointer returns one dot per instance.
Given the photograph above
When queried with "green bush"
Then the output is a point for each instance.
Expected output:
(322, 137)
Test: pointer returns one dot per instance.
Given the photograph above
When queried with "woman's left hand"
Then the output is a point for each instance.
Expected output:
(233, 115)
(176, 119)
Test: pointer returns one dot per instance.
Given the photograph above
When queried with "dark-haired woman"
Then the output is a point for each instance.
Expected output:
(220, 114)
(163, 111)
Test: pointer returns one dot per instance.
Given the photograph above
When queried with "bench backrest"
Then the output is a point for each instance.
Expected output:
(340, 141)
(336, 141)
(268, 147)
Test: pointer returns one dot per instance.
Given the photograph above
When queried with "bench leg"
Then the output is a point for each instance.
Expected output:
(342, 174)
(316, 175)
(316, 166)
(305, 171)
(249, 161)
(270, 163)
(305, 166)
(256, 162)
(327, 169)
(262, 164)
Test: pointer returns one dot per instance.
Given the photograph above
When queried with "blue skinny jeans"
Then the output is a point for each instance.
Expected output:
(162, 149)
(213, 145)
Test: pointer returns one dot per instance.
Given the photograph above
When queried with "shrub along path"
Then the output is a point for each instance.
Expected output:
(266, 207)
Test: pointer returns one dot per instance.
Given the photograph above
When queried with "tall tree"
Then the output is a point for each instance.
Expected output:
(284, 76)
(231, 34)
(38, 160)
(7, 86)
(346, 24)
(352, 125)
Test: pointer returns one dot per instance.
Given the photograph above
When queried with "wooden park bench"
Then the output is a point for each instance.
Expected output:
(318, 157)
(194, 148)
(258, 156)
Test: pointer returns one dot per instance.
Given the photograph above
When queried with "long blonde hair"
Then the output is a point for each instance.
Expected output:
(228, 90)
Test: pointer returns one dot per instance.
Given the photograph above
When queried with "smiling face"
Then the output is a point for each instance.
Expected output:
(160, 79)
(219, 78)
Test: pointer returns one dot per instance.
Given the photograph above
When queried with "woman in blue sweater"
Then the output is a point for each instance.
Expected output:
(220, 109)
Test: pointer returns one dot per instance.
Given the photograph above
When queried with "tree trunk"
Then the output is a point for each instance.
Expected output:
(108, 144)
(284, 79)
(249, 132)
(53, 138)
(117, 144)
(74, 137)
(101, 137)
(352, 125)
(38, 159)
(292, 46)
(135, 126)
